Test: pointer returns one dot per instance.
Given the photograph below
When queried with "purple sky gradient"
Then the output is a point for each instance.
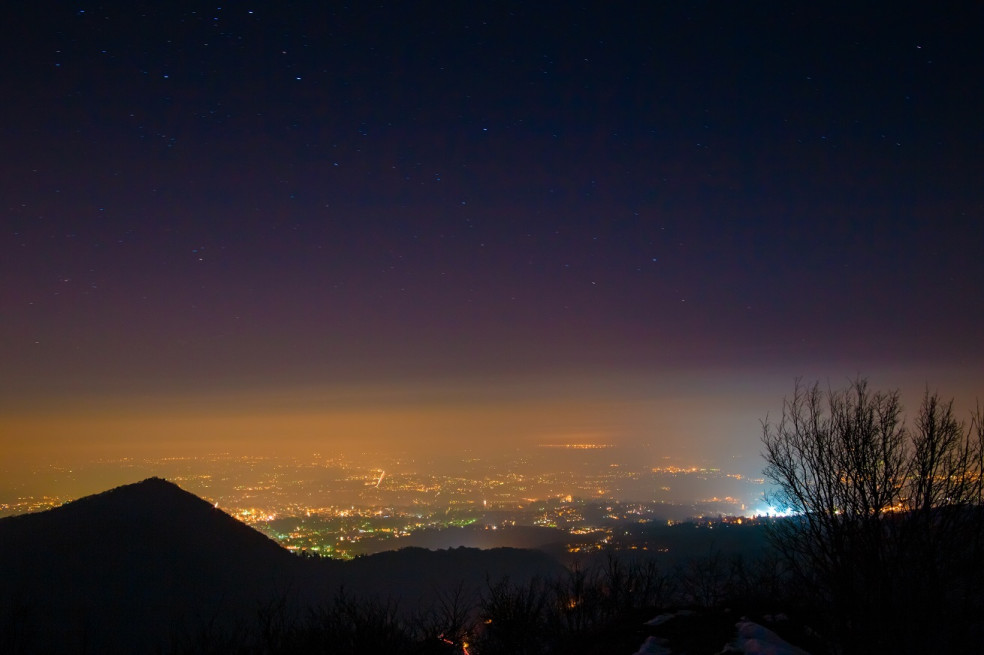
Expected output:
(555, 205)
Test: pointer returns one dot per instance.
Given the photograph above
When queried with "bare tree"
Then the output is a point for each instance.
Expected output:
(450, 620)
(888, 518)
(706, 580)
(514, 617)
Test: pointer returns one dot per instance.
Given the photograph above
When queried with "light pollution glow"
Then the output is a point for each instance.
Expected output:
(714, 416)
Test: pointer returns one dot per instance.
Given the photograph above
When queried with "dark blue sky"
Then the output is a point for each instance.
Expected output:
(263, 197)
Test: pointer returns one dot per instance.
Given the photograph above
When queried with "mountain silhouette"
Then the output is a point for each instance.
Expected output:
(145, 565)
(145, 559)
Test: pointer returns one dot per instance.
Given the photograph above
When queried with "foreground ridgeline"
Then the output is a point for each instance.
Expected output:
(149, 567)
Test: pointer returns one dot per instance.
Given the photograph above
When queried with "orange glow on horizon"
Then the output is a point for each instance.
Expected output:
(250, 425)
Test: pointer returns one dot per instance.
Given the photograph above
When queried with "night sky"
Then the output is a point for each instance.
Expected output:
(269, 226)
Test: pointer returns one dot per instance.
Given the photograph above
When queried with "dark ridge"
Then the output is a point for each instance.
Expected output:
(415, 574)
(154, 513)
(143, 558)
(148, 565)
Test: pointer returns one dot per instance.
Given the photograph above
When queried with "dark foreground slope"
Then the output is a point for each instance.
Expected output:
(141, 567)
(128, 565)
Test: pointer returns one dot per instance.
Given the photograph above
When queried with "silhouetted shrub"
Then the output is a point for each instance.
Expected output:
(514, 618)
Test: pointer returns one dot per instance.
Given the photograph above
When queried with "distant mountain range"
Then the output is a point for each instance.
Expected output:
(137, 568)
